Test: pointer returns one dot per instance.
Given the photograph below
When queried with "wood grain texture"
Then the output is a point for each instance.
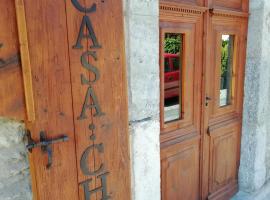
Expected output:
(12, 103)
(233, 5)
(111, 129)
(25, 60)
(59, 95)
(180, 171)
(48, 47)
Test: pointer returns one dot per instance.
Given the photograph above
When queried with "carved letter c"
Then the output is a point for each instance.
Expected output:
(84, 160)
(79, 7)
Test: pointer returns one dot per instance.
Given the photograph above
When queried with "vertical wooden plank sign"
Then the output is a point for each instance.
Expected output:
(79, 88)
(96, 41)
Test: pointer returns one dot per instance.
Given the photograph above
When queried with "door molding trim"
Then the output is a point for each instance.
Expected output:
(180, 10)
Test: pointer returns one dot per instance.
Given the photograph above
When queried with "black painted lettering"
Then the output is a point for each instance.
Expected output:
(90, 102)
(90, 34)
(103, 188)
(89, 67)
(84, 160)
(80, 8)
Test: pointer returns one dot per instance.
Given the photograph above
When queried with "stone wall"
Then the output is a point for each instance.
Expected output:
(142, 50)
(266, 63)
(14, 170)
(255, 150)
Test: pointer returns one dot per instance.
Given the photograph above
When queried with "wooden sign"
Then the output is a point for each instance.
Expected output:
(91, 106)
(76, 49)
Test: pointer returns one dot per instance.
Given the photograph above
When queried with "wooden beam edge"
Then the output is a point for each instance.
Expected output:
(25, 60)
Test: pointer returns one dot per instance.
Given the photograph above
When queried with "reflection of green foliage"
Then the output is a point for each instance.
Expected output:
(173, 43)
(224, 57)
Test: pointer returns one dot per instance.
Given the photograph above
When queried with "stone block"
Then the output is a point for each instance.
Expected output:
(143, 66)
(14, 168)
(256, 114)
(143, 7)
(145, 155)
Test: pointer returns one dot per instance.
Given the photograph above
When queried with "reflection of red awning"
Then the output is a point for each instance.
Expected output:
(171, 55)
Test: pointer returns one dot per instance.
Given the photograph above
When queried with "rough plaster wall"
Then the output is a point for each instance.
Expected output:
(267, 158)
(142, 42)
(266, 64)
(142, 50)
(255, 153)
(14, 170)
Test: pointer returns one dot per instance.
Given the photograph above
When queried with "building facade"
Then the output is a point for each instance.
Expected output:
(141, 34)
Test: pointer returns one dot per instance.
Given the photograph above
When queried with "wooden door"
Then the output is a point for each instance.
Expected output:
(180, 72)
(79, 86)
(201, 128)
(225, 61)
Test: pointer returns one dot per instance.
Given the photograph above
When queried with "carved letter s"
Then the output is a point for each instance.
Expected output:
(89, 67)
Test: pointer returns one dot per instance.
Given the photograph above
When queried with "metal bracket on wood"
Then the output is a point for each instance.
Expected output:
(208, 131)
(211, 11)
(44, 144)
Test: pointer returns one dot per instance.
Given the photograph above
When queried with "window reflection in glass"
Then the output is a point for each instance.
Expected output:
(226, 69)
(173, 52)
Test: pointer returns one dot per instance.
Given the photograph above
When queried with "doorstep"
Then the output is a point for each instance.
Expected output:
(262, 194)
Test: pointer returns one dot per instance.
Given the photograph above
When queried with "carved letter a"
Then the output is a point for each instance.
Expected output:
(90, 102)
(90, 34)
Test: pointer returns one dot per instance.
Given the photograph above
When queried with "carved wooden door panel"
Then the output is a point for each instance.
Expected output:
(226, 44)
(180, 70)
(79, 86)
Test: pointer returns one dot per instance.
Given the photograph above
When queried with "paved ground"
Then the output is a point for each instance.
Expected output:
(263, 194)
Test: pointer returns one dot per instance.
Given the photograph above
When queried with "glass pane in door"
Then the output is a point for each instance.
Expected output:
(173, 59)
(226, 69)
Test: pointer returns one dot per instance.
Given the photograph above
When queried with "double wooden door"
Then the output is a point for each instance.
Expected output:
(202, 59)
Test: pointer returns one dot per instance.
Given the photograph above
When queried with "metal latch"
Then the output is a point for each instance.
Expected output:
(44, 144)
(207, 99)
